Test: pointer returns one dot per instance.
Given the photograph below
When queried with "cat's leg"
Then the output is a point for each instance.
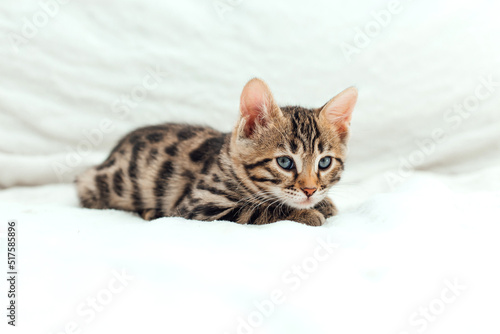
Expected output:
(326, 207)
(148, 214)
(309, 217)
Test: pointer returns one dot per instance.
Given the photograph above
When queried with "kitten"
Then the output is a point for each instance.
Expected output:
(277, 164)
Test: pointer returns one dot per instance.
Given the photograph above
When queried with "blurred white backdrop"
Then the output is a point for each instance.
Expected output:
(67, 65)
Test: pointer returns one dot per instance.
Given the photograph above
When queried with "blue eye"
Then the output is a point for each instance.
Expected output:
(285, 162)
(325, 162)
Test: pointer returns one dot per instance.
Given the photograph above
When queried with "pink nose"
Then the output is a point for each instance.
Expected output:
(309, 191)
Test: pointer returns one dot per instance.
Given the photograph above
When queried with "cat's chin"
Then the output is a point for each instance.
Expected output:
(304, 204)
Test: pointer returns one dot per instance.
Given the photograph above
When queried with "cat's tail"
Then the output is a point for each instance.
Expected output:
(90, 194)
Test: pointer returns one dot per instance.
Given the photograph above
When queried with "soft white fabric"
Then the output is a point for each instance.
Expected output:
(416, 210)
(394, 255)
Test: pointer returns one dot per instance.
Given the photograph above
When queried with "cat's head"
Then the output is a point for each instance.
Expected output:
(290, 155)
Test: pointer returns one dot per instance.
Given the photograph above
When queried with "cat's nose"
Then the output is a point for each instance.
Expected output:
(309, 191)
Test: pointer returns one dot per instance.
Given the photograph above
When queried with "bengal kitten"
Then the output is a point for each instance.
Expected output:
(277, 164)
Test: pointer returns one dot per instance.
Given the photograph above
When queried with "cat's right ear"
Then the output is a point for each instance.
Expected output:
(338, 111)
(257, 106)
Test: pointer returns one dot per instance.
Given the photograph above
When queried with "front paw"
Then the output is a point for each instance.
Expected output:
(326, 207)
(148, 214)
(309, 217)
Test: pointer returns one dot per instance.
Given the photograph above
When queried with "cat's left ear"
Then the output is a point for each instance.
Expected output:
(257, 106)
(338, 111)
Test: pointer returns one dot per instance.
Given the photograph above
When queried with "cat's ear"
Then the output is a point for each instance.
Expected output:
(338, 111)
(257, 106)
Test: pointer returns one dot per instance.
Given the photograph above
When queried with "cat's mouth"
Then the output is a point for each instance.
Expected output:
(300, 202)
(306, 203)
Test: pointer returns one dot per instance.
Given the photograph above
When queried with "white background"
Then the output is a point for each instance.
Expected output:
(398, 241)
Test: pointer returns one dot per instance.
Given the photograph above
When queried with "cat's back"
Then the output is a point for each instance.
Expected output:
(151, 165)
